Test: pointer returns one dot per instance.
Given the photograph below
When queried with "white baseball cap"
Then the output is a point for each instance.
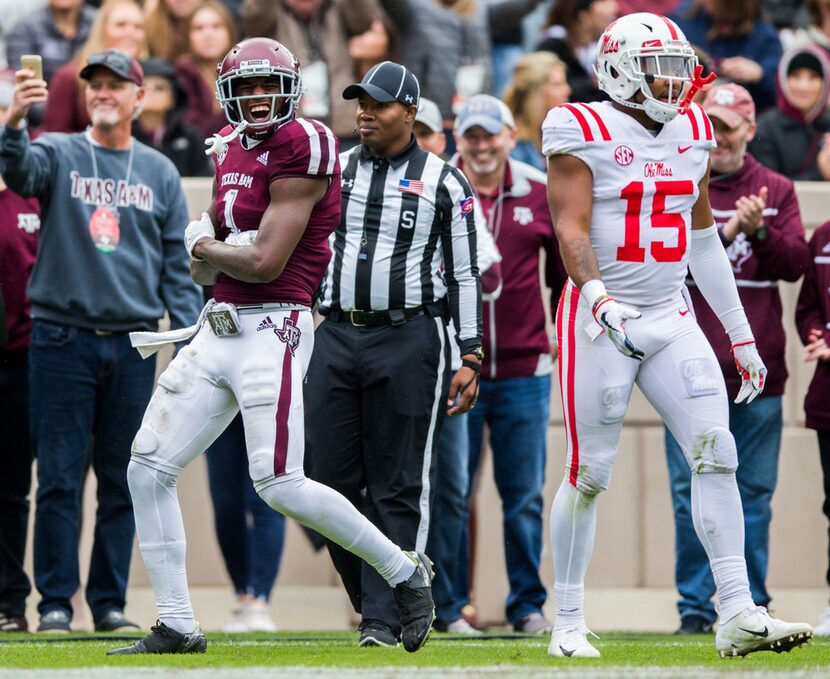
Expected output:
(429, 115)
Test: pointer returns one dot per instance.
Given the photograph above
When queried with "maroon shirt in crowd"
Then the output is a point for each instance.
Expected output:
(516, 343)
(19, 224)
(813, 313)
(201, 97)
(758, 265)
(299, 148)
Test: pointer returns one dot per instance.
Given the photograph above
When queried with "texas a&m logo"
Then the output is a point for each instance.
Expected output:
(289, 333)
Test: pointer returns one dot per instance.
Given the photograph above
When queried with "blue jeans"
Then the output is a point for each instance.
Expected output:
(449, 514)
(249, 532)
(84, 388)
(757, 431)
(516, 412)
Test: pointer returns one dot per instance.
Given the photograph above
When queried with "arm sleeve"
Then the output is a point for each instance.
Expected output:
(808, 311)
(489, 258)
(459, 249)
(180, 294)
(783, 254)
(26, 168)
(713, 276)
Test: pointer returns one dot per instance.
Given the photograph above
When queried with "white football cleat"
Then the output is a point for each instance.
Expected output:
(823, 627)
(754, 629)
(572, 642)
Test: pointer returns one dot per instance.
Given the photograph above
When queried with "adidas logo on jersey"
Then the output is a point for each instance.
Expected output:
(263, 158)
(266, 324)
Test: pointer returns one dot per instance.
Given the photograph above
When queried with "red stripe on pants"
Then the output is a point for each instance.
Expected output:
(284, 407)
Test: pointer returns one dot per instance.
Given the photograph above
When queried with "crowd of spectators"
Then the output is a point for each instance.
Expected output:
(778, 51)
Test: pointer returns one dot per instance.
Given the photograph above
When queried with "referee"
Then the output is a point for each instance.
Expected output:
(403, 262)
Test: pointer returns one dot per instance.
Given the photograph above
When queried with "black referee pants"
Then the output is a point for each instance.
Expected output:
(375, 402)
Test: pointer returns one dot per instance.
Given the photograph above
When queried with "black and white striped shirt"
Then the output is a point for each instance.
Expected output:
(407, 237)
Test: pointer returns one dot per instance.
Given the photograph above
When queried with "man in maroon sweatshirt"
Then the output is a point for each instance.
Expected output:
(759, 222)
(19, 224)
(812, 316)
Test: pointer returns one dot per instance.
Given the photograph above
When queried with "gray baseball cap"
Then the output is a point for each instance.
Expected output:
(429, 115)
(387, 81)
(485, 111)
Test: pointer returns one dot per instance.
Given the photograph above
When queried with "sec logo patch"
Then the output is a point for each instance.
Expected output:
(623, 155)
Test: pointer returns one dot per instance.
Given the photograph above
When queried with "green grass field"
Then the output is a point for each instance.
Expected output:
(334, 655)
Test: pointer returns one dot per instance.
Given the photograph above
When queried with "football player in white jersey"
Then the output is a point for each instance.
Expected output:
(627, 187)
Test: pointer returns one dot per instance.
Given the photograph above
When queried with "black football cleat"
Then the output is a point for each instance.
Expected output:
(415, 605)
(163, 639)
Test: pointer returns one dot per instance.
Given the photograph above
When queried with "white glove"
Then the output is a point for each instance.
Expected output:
(752, 370)
(240, 238)
(612, 315)
(195, 231)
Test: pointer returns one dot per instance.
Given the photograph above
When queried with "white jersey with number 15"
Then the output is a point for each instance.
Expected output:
(644, 188)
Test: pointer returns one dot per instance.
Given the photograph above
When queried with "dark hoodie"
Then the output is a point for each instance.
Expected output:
(180, 142)
(788, 141)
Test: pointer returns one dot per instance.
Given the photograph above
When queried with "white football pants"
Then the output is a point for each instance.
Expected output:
(260, 372)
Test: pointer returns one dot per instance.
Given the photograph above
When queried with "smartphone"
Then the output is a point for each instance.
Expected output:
(34, 63)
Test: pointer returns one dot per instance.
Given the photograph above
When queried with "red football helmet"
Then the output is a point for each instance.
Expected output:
(257, 58)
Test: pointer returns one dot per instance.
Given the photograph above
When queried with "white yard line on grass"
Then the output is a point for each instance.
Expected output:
(494, 672)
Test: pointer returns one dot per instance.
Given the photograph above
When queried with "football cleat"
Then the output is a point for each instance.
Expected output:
(376, 633)
(572, 642)
(754, 629)
(415, 604)
(163, 639)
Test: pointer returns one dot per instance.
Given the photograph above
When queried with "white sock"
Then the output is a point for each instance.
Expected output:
(333, 516)
(160, 531)
(718, 518)
(573, 522)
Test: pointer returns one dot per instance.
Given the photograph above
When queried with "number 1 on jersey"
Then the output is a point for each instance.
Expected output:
(632, 194)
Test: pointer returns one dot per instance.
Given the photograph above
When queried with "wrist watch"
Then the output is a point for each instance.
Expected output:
(761, 232)
(478, 352)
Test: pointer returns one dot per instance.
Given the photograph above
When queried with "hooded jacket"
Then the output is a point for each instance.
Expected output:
(788, 141)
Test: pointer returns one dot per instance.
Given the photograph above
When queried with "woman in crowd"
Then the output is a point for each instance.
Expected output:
(794, 137)
(572, 30)
(167, 27)
(743, 47)
(118, 25)
(539, 83)
(210, 33)
(161, 122)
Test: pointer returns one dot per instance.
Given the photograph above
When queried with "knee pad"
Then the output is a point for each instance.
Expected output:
(713, 452)
(145, 442)
(259, 386)
(592, 479)
(179, 377)
(287, 495)
(141, 479)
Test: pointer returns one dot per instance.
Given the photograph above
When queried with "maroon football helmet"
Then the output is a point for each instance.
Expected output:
(259, 57)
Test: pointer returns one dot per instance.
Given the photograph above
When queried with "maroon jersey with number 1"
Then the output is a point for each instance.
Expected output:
(299, 148)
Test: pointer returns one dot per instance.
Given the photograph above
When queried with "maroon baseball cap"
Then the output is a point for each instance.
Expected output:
(117, 61)
(731, 103)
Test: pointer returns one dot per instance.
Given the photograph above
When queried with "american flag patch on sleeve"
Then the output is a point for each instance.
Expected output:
(411, 186)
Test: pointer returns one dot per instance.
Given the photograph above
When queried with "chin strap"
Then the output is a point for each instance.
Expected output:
(218, 144)
(699, 84)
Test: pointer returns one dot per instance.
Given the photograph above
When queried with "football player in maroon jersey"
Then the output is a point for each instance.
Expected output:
(264, 243)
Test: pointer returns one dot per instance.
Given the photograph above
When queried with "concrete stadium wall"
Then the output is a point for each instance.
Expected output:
(635, 543)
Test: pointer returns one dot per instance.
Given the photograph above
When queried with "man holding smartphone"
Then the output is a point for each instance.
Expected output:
(109, 261)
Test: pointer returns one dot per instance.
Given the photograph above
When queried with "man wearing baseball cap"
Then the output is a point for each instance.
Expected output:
(379, 383)
(759, 222)
(109, 261)
(519, 355)
(429, 128)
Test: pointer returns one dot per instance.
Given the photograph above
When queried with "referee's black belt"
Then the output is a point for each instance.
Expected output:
(370, 319)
